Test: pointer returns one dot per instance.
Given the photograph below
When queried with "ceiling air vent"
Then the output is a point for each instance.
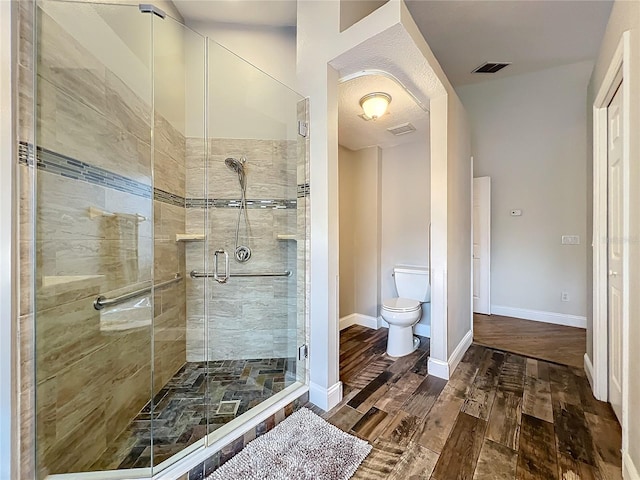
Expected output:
(491, 67)
(402, 129)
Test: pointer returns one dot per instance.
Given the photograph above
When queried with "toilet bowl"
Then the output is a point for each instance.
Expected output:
(403, 312)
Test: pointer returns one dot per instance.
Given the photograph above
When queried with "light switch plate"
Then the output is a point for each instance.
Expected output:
(570, 239)
(516, 212)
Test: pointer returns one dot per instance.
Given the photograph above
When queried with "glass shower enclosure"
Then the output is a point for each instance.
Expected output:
(170, 232)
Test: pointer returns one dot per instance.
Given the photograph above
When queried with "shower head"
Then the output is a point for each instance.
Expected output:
(235, 164)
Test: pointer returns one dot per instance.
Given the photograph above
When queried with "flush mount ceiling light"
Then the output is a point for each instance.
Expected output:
(375, 104)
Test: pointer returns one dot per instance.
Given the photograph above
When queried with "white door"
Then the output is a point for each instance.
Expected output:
(482, 245)
(614, 249)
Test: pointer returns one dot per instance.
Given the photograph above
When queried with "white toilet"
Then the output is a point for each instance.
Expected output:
(402, 313)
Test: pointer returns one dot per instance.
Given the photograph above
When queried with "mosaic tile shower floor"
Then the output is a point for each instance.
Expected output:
(190, 401)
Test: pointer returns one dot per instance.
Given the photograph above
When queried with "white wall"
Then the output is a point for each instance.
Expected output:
(624, 16)
(451, 315)
(244, 99)
(347, 175)
(359, 180)
(459, 173)
(529, 136)
(271, 49)
(8, 321)
(406, 204)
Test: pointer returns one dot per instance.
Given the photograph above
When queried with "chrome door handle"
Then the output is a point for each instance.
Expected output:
(216, 276)
(612, 273)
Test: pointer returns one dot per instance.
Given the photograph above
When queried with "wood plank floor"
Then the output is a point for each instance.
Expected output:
(500, 416)
(554, 343)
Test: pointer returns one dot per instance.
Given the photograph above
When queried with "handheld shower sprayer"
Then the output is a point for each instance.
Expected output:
(242, 253)
(237, 165)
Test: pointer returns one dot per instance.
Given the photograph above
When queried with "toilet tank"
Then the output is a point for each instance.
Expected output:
(412, 282)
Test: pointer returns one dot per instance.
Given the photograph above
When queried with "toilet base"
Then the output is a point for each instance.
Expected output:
(401, 341)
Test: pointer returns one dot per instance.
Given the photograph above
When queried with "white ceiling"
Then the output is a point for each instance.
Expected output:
(534, 35)
(272, 13)
(356, 133)
(463, 34)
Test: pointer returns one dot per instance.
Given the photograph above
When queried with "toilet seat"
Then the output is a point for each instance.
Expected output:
(401, 305)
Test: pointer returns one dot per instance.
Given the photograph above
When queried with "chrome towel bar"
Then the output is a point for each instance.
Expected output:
(286, 273)
(101, 302)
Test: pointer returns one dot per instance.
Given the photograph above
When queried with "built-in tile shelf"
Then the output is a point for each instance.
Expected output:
(67, 280)
(190, 237)
(286, 237)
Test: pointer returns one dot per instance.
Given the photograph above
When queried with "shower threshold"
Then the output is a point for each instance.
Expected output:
(199, 399)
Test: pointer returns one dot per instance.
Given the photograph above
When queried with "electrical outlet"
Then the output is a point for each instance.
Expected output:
(565, 296)
(570, 239)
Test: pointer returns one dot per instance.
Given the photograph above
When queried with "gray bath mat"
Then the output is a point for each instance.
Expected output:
(301, 447)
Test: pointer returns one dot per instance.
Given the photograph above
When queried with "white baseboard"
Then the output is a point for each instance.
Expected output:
(359, 319)
(438, 368)
(629, 470)
(460, 350)
(588, 369)
(325, 398)
(441, 369)
(540, 316)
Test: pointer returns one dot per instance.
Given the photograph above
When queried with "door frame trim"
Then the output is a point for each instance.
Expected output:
(618, 71)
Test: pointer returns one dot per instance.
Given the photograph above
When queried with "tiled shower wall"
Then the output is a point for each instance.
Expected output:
(25, 355)
(247, 317)
(93, 135)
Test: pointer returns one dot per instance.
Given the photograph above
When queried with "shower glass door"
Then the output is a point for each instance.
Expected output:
(255, 232)
(179, 404)
(170, 240)
(94, 236)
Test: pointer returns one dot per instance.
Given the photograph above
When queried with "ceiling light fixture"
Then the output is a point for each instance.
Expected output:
(375, 104)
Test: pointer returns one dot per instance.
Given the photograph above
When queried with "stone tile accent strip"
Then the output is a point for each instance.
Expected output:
(168, 197)
(303, 190)
(71, 168)
(75, 169)
(275, 204)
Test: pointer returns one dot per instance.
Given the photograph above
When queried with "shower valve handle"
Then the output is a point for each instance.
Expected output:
(216, 275)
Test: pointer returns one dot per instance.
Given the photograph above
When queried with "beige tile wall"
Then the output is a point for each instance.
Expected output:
(169, 256)
(26, 379)
(247, 317)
